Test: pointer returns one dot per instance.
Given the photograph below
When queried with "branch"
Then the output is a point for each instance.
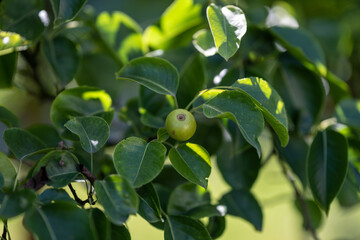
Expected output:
(78, 200)
(38, 181)
(299, 197)
(91, 177)
(3, 236)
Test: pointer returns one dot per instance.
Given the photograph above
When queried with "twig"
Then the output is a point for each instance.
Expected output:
(78, 200)
(91, 177)
(300, 199)
(38, 181)
(3, 236)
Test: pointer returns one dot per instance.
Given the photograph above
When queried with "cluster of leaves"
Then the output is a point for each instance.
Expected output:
(108, 134)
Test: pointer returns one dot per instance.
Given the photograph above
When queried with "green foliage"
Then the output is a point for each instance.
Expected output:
(92, 90)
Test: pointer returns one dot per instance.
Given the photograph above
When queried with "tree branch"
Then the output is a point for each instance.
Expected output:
(78, 200)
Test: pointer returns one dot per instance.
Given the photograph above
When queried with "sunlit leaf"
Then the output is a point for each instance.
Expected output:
(204, 42)
(10, 42)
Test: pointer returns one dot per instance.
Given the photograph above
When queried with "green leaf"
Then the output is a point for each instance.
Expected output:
(46, 133)
(151, 120)
(206, 210)
(138, 161)
(8, 64)
(16, 203)
(182, 227)
(186, 197)
(241, 203)
(11, 42)
(204, 42)
(315, 215)
(154, 73)
(92, 131)
(22, 143)
(2, 181)
(327, 166)
(63, 57)
(228, 25)
(59, 220)
(149, 205)
(162, 135)
(8, 118)
(238, 107)
(216, 226)
(66, 10)
(8, 172)
(120, 232)
(53, 195)
(348, 112)
(192, 161)
(117, 197)
(100, 225)
(78, 102)
(269, 102)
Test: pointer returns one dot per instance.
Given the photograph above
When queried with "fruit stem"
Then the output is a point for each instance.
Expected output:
(176, 102)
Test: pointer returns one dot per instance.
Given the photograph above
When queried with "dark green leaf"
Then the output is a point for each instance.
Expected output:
(204, 42)
(138, 161)
(119, 232)
(348, 112)
(181, 227)
(2, 181)
(7, 171)
(327, 166)
(117, 197)
(8, 118)
(99, 224)
(59, 220)
(22, 143)
(10, 42)
(154, 73)
(162, 135)
(169, 177)
(92, 131)
(149, 205)
(216, 226)
(8, 65)
(46, 133)
(315, 215)
(52, 195)
(186, 197)
(16, 203)
(269, 101)
(66, 10)
(192, 161)
(241, 203)
(151, 120)
(228, 26)
(206, 210)
(238, 107)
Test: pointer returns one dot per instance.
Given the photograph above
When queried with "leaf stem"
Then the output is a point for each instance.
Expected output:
(92, 163)
(176, 102)
(169, 144)
(196, 108)
(17, 176)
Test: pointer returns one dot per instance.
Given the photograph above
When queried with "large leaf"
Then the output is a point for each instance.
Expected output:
(8, 65)
(228, 26)
(66, 10)
(8, 118)
(50, 221)
(193, 162)
(238, 107)
(22, 143)
(10, 42)
(16, 203)
(154, 73)
(181, 227)
(348, 112)
(117, 197)
(149, 205)
(92, 131)
(80, 101)
(138, 161)
(327, 166)
(269, 101)
(8, 172)
(241, 203)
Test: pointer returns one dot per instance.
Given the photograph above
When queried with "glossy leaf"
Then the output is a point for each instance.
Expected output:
(186, 197)
(149, 204)
(327, 166)
(192, 161)
(182, 227)
(138, 161)
(66, 10)
(50, 220)
(92, 131)
(22, 143)
(238, 107)
(78, 102)
(269, 101)
(117, 197)
(228, 25)
(10, 42)
(242, 203)
(216, 226)
(8, 118)
(154, 73)
(348, 112)
(16, 203)
(8, 64)
(204, 42)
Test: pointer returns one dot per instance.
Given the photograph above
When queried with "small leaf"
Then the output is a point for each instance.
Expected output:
(162, 135)
(228, 25)
(117, 197)
(239, 108)
(22, 143)
(193, 162)
(16, 203)
(138, 161)
(204, 42)
(270, 103)
(149, 205)
(59, 220)
(10, 42)
(348, 112)
(216, 226)
(66, 10)
(92, 131)
(182, 227)
(8, 118)
(241, 203)
(327, 166)
(154, 73)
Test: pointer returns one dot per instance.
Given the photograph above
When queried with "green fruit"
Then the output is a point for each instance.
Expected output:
(180, 124)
